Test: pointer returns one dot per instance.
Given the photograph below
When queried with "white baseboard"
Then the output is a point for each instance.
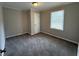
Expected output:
(62, 38)
(34, 33)
(45, 33)
(19, 34)
(15, 35)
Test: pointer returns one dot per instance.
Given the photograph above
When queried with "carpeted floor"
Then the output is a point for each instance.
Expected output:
(39, 45)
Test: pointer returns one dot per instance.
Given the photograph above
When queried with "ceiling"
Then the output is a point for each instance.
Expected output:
(28, 5)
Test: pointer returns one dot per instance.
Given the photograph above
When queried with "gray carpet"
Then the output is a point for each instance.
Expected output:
(39, 45)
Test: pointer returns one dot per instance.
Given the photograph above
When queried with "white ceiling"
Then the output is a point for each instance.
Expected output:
(28, 5)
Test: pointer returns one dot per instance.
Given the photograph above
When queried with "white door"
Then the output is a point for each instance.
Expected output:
(36, 22)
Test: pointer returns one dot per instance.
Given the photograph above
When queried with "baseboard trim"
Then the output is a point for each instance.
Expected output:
(35, 34)
(21, 34)
(45, 33)
(16, 35)
(61, 38)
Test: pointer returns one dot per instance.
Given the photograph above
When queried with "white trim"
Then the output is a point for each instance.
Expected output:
(78, 50)
(61, 38)
(15, 35)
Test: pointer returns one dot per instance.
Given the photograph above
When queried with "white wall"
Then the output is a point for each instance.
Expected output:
(14, 22)
(36, 22)
(78, 50)
(2, 36)
(32, 22)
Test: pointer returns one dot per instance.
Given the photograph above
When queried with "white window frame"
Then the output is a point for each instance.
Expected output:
(63, 21)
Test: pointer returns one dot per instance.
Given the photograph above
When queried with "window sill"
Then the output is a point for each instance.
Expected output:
(56, 29)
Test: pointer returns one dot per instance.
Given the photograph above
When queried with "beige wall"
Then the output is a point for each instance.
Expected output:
(28, 21)
(15, 22)
(24, 22)
(71, 22)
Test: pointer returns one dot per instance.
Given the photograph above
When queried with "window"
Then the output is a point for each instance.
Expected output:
(57, 20)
